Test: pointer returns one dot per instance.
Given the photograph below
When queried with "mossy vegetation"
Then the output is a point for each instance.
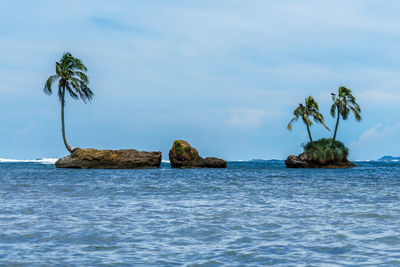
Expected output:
(178, 149)
(323, 151)
(177, 144)
(181, 149)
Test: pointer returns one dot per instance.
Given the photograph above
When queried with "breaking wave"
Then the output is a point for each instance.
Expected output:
(41, 160)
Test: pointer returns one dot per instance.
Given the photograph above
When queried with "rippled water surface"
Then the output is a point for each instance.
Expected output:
(249, 214)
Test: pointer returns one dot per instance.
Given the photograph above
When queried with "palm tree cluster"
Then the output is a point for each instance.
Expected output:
(344, 103)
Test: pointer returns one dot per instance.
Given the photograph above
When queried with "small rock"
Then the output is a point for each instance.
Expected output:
(183, 155)
(211, 162)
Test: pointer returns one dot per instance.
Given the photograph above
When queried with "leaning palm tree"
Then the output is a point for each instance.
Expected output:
(310, 109)
(344, 103)
(70, 73)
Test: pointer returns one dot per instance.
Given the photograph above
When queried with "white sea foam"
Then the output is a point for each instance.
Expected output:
(165, 161)
(41, 160)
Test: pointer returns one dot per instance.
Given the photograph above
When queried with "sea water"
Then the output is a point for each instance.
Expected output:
(250, 214)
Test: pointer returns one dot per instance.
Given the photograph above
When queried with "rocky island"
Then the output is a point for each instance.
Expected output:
(183, 155)
(326, 152)
(321, 154)
(110, 159)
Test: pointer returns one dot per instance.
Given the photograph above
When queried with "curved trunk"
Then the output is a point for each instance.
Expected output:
(63, 127)
(309, 132)
(336, 127)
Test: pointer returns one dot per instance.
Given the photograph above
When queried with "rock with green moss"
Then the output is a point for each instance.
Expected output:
(321, 154)
(110, 159)
(183, 155)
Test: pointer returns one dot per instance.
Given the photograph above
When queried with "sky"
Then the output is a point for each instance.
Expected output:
(223, 75)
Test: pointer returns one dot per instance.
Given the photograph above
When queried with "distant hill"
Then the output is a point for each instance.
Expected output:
(389, 158)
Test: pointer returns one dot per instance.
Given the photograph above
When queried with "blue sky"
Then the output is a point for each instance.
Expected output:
(223, 75)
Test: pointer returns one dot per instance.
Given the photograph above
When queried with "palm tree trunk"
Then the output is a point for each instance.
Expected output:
(309, 132)
(63, 127)
(336, 127)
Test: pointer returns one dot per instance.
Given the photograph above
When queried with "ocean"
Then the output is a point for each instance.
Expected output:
(250, 214)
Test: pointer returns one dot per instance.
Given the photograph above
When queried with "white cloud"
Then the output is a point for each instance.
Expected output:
(375, 135)
(246, 118)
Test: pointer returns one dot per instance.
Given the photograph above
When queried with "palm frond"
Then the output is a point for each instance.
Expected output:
(82, 76)
(77, 64)
(289, 126)
(298, 111)
(88, 93)
(356, 107)
(322, 122)
(333, 109)
(71, 92)
(47, 86)
(345, 112)
(343, 91)
(311, 103)
(356, 114)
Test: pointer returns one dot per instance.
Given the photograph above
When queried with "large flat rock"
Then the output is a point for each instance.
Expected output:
(110, 159)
